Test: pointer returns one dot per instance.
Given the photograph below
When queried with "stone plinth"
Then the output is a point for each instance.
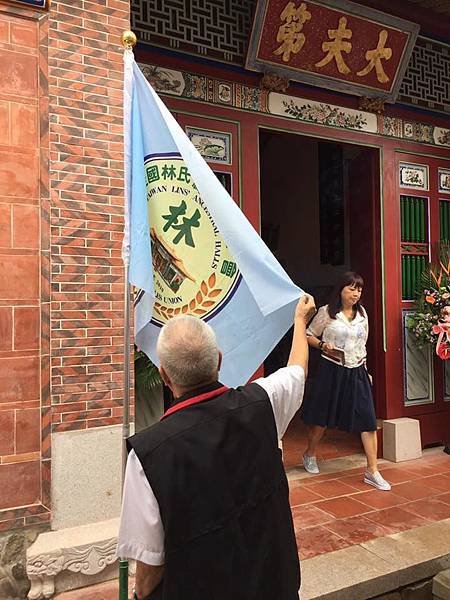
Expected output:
(401, 439)
(72, 558)
(441, 585)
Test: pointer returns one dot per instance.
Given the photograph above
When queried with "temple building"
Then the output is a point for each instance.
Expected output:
(328, 122)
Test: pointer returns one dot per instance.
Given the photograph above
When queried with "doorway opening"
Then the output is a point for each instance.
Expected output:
(320, 217)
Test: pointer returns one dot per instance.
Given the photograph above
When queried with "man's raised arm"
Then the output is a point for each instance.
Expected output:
(299, 349)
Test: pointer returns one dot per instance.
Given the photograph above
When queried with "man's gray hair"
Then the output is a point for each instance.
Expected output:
(188, 351)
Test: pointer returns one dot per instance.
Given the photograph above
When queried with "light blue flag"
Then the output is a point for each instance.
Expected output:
(190, 248)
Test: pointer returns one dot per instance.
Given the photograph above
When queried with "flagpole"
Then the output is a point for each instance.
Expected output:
(128, 40)
(123, 563)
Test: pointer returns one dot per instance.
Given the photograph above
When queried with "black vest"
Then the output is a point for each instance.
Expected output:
(216, 471)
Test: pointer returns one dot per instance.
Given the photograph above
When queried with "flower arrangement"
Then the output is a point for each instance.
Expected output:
(430, 322)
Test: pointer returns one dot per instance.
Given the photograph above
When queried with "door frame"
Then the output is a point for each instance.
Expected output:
(391, 358)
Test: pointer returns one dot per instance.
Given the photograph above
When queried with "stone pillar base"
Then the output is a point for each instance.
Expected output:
(441, 585)
(401, 439)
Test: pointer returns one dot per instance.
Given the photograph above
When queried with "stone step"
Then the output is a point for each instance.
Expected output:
(72, 558)
(103, 591)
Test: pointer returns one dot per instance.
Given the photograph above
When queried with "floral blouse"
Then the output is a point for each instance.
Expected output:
(348, 336)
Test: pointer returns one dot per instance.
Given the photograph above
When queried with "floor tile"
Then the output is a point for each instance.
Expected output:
(332, 488)
(334, 444)
(398, 475)
(308, 516)
(444, 498)
(440, 459)
(414, 490)
(343, 507)
(380, 499)
(314, 479)
(439, 482)
(357, 530)
(299, 494)
(355, 481)
(422, 468)
(429, 508)
(318, 540)
(396, 519)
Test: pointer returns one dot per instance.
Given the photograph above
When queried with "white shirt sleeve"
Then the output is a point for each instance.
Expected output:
(318, 324)
(141, 533)
(285, 389)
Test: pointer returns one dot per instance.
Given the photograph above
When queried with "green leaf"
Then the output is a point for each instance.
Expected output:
(145, 372)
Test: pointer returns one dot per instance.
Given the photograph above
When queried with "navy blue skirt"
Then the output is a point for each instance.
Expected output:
(340, 398)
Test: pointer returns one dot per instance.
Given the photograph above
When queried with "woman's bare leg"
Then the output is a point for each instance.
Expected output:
(370, 443)
(315, 434)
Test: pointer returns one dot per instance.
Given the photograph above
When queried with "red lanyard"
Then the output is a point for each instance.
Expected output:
(194, 400)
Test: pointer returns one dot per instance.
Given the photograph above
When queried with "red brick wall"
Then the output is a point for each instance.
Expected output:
(61, 221)
(20, 290)
(86, 179)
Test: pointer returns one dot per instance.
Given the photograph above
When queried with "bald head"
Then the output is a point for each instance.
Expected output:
(188, 352)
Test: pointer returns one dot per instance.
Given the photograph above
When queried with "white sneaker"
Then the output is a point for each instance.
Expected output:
(376, 480)
(310, 464)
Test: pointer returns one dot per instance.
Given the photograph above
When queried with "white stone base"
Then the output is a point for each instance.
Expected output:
(86, 476)
(72, 558)
(401, 439)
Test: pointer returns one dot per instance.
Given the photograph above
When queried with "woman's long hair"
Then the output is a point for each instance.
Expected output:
(335, 302)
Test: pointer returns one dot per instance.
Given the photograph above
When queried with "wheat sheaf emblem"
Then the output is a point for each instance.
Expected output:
(199, 305)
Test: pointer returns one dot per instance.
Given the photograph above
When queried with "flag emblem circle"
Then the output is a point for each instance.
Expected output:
(193, 269)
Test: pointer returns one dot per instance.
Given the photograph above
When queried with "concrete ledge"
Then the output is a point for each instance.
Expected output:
(353, 573)
(418, 553)
(379, 566)
(72, 558)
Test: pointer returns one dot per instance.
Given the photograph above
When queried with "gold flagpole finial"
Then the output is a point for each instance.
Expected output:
(128, 39)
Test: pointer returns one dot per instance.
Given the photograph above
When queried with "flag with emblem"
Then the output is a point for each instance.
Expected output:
(189, 247)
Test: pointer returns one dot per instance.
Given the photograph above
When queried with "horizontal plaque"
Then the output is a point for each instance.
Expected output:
(413, 175)
(333, 44)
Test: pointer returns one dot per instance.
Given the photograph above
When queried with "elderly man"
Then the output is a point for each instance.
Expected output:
(206, 501)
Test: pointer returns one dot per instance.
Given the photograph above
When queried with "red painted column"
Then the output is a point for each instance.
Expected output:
(250, 202)
(393, 327)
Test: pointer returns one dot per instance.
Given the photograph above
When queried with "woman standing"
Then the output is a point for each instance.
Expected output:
(341, 395)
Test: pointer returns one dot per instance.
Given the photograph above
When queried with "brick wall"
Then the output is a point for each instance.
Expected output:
(22, 96)
(61, 221)
(85, 60)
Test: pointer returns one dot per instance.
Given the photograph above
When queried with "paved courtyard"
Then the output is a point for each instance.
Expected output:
(335, 511)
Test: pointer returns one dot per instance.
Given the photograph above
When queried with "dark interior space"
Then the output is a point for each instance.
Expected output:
(319, 211)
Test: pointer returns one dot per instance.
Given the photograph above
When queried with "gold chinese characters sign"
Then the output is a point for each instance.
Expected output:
(332, 43)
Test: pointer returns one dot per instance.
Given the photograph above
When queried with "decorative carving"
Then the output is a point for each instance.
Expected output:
(444, 137)
(274, 82)
(241, 96)
(373, 105)
(324, 114)
(164, 80)
(88, 559)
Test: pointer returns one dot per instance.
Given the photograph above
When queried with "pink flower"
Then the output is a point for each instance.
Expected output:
(443, 351)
